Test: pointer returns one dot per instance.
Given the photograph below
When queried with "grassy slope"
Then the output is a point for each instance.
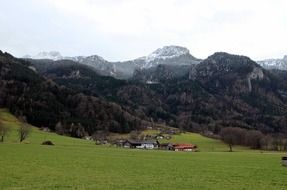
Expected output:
(204, 144)
(37, 136)
(79, 164)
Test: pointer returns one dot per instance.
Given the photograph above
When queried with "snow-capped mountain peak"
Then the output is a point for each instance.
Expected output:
(167, 52)
(280, 64)
(53, 55)
(167, 55)
(92, 58)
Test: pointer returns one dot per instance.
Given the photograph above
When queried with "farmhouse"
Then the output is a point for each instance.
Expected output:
(154, 144)
(140, 144)
(184, 147)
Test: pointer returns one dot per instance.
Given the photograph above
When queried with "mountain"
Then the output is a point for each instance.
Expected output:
(47, 59)
(43, 102)
(222, 90)
(168, 55)
(240, 77)
(239, 92)
(82, 78)
(219, 91)
(161, 73)
(103, 67)
(280, 64)
(222, 69)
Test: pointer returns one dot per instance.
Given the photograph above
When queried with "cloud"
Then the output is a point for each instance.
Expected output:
(125, 29)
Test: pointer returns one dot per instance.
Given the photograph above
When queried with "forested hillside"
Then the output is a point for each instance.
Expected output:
(44, 103)
(223, 90)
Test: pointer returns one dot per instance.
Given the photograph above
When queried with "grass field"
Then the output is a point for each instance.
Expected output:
(79, 164)
(204, 144)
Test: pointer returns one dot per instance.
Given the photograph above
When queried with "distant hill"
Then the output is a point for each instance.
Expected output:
(45, 103)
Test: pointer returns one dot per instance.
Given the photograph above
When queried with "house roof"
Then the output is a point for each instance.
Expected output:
(184, 146)
(141, 142)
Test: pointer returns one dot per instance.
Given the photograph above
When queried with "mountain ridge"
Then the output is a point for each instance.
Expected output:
(167, 55)
(222, 90)
(280, 64)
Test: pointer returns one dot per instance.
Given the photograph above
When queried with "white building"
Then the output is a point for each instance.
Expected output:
(141, 144)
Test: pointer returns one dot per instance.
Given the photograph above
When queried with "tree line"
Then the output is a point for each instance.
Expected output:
(253, 138)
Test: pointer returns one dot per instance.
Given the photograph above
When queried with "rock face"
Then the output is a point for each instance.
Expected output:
(256, 74)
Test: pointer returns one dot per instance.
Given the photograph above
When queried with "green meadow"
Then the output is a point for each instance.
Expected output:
(80, 165)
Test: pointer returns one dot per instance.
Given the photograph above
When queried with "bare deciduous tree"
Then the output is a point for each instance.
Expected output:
(232, 136)
(253, 139)
(24, 131)
(3, 131)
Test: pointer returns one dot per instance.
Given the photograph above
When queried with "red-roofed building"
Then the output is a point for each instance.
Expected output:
(184, 147)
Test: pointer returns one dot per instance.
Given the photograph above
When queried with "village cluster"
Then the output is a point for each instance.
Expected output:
(155, 144)
(140, 140)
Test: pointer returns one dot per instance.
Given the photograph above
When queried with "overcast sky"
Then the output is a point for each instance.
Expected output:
(127, 29)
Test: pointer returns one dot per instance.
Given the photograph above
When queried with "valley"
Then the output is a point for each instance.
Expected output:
(143, 95)
(80, 164)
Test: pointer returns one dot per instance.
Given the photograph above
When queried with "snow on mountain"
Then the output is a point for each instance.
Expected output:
(280, 64)
(167, 55)
(167, 52)
(97, 62)
(92, 58)
(53, 55)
